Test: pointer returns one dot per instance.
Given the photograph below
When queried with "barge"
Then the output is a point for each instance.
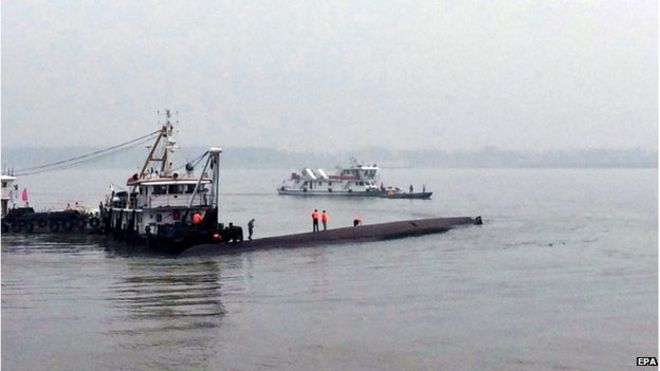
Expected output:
(24, 219)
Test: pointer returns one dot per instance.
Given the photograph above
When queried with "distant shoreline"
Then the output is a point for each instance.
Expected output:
(260, 158)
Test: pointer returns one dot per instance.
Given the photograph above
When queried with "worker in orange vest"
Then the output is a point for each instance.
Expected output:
(197, 218)
(315, 221)
(324, 219)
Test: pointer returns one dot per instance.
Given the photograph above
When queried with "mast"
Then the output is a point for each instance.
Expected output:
(165, 142)
(214, 153)
(167, 149)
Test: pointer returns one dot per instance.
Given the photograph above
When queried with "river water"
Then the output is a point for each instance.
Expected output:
(563, 275)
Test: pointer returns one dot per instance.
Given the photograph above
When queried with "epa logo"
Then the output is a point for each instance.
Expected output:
(647, 361)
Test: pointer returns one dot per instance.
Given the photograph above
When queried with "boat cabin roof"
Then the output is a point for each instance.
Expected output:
(165, 181)
(364, 167)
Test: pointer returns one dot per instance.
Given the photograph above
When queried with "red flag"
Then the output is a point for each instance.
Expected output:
(24, 197)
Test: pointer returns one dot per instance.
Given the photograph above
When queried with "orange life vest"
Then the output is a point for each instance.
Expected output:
(315, 215)
(324, 217)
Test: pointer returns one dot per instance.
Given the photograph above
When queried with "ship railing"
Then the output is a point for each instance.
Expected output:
(177, 200)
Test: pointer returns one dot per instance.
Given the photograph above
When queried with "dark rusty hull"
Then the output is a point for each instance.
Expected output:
(409, 196)
(374, 232)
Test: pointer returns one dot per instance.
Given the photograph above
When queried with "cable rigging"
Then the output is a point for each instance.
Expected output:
(86, 158)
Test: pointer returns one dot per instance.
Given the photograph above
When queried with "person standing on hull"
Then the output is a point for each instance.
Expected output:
(315, 220)
(250, 228)
(411, 188)
(324, 220)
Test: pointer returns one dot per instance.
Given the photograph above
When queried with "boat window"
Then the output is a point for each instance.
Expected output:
(329, 183)
(4, 184)
(174, 189)
(190, 188)
(158, 190)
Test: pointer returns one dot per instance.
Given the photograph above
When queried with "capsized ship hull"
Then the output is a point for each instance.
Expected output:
(362, 233)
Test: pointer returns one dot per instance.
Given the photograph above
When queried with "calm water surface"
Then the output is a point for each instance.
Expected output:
(562, 276)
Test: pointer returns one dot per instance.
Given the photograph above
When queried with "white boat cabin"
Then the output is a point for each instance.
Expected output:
(357, 179)
(7, 187)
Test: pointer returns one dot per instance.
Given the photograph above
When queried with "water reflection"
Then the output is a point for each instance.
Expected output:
(168, 312)
(39, 243)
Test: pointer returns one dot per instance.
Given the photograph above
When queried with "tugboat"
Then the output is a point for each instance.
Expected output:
(165, 209)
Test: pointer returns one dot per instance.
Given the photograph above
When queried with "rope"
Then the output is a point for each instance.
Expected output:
(86, 158)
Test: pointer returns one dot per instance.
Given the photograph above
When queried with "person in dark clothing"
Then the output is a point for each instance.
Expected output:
(315, 221)
(250, 228)
(411, 188)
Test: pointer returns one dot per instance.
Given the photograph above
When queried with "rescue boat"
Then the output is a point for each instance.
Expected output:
(355, 180)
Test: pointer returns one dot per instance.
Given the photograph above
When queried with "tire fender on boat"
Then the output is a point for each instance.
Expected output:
(17, 227)
(94, 222)
(67, 225)
(81, 224)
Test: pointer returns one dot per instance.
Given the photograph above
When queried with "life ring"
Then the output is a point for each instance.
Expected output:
(29, 227)
(94, 222)
(67, 226)
(42, 223)
(54, 226)
(17, 227)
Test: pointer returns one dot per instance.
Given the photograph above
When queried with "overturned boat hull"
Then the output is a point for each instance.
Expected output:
(362, 233)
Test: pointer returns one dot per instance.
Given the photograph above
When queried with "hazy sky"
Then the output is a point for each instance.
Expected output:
(524, 75)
